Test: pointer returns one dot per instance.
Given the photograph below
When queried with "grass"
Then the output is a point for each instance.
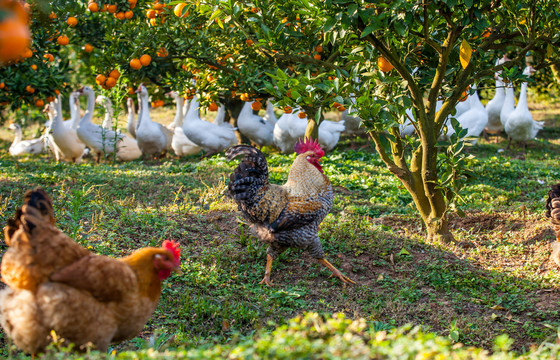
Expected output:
(495, 279)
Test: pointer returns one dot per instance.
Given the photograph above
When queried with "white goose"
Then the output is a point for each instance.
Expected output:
(255, 127)
(281, 134)
(509, 104)
(520, 125)
(153, 138)
(102, 141)
(65, 137)
(211, 137)
(494, 106)
(475, 119)
(180, 143)
(131, 121)
(21, 147)
(352, 123)
(269, 115)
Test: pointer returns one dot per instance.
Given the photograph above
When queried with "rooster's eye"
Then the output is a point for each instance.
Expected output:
(309, 157)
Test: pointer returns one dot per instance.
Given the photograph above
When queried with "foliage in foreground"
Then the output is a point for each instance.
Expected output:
(313, 337)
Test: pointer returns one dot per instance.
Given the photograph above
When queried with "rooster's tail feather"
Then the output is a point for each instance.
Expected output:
(553, 208)
(251, 174)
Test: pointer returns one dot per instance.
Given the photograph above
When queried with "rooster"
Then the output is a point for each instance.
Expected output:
(54, 284)
(553, 211)
(288, 215)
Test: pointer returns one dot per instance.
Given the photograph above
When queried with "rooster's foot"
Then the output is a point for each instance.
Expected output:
(335, 272)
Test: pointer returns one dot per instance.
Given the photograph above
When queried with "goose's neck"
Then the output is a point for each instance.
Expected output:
(193, 109)
(522, 95)
(139, 118)
(74, 110)
(18, 136)
(108, 120)
(72, 100)
(220, 115)
(90, 107)
(58, 116)
(145, 110)
(179, 114)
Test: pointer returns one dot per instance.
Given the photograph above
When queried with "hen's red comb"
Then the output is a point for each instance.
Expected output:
(306, 145)
(173, 246)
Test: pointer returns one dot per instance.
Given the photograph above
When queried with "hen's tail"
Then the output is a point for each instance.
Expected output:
(251, 174)
(37, 207)
(553, 208)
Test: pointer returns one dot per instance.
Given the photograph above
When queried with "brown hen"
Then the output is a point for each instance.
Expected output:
(56, 284)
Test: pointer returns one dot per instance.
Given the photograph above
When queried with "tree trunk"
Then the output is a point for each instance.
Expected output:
(312, 129)
(556, 73)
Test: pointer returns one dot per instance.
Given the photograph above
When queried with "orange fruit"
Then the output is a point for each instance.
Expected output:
(29, 89)
(50, 98)
(131, 91)
(34, 67)
(383, 64)
(178, 10)
(335, 104)
(110, 82)
(317, 56)
(135, 64)
(27, 53)
(52, 15)
(486, 33)
(49, 57)
(319, 48)
(2, 85)
(153, 22)
(162, 52)
(256, 105)
(301, 115)
(132, 4)
(62, 40)
(120, 15)
(249, 42)
(100, 79)
(254, 10)
(39, 103)
(14, 39)
(158, 6)
(341, 108)
(145, 60)
(289, 93)
(244, 97)
(88, 48)
(57, 92)
(72, 21)
(115, 74)
(112, 8)
(209, 78)
(128, 14)
(104, 8)
(93, 7)
(213, 107)
(151, 14)
(287, 110)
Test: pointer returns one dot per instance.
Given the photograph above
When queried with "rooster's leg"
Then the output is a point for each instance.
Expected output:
(266, 279)
(345, 279)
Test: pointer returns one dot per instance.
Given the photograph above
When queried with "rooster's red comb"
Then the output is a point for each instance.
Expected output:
(306, 145)
(173, 246)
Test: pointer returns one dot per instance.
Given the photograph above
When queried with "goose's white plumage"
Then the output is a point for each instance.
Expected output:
(474, 120)
(153, 138)
(21, 147)
(269, 115)
(102, 141)
(255, 127)
(65, 137)
(131, 120)
(209, 136)
(329, 131)
(520, 125)
(509, 104)
(494, 106)
(180, 143)
(281, 134)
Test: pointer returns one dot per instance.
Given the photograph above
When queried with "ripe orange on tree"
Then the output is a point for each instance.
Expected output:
(151, 14)
(249, 42)
(39, 103)
(120, 15)
(145, 60)
(384, 65)
(93, 7)
(111, 81)
(100, 79)
(62, 40)
(341, 108)
(319, 48)
(135, 64)
(2, 85)
(244, 97)
(72, 21)
(132, 4)
(301, 115)
(112, 8)
(287, 109)
(49, 57)
(131, 91)
(29, 89)
(88, 48)
(115, 74)
(158, 6)
(27, 53)
(14, 39)
(178, 10)
(50, 98)
(162, 52)
(256, 105)
(317, 56)
(213, 107)
(34, 67)
(128, 14)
